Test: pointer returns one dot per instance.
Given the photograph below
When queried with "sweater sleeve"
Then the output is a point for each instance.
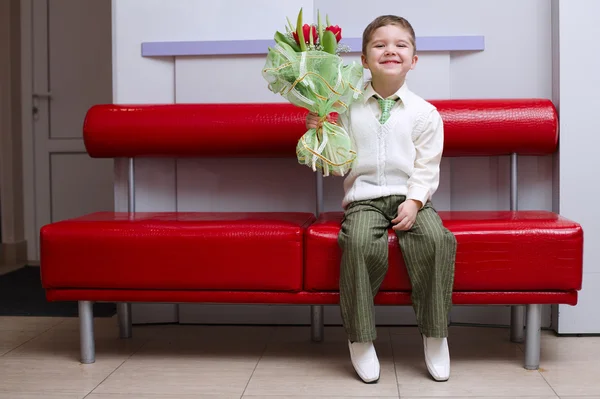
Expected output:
(429, 145)
(344, 123)
(342, 120)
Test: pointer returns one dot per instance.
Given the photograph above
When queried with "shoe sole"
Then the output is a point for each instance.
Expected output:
(368, 382)
(371, 382)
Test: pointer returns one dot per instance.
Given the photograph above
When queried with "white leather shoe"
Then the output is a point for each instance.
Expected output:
(437, 357)
(364, 359)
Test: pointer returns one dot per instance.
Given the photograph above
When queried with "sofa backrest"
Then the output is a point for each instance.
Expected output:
(471, 128)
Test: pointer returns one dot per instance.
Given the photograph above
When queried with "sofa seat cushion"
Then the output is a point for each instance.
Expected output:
(497, 251)
(184, 251)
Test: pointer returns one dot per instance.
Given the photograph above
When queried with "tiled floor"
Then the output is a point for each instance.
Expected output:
(39, 359)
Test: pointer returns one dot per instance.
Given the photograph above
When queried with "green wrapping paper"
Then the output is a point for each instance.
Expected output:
(320, 82)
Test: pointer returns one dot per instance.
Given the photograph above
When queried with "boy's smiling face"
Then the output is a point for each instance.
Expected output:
(390, 53)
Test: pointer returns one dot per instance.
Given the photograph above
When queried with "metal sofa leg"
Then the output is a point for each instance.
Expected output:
(124, 313)
(317, 322)
(517, 323)
(86, 332)
(533, 340)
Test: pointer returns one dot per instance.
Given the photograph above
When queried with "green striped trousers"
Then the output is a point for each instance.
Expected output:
(429, 251)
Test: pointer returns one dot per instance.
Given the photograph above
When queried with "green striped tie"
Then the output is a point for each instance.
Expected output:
(386, 106)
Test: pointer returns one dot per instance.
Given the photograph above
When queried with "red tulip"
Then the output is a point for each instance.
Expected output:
(336, 30)
(306, 32)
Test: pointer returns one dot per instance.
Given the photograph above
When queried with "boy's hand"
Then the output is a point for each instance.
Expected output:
(407, 214)
(312, 120)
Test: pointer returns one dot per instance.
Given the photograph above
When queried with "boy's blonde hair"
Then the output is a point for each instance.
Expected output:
(385, 20)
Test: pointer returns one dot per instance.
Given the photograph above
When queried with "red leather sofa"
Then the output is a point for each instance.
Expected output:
(520, 258)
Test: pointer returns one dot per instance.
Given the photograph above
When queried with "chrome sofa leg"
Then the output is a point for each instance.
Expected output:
(86, 332)
(517, 323)
(317, 322)
(124, 314)
(533, 339)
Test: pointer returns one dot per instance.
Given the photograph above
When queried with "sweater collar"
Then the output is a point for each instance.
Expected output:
(401, 94)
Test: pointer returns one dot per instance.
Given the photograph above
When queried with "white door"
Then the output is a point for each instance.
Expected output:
(71, 70)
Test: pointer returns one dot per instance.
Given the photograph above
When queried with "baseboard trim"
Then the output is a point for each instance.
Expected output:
(13, 253)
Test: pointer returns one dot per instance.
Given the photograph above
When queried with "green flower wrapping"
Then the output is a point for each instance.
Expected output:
(320, 82)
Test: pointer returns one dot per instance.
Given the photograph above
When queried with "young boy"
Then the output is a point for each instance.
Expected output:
(398, 137)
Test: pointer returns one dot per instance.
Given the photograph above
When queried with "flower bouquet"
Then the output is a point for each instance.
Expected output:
(305, 68)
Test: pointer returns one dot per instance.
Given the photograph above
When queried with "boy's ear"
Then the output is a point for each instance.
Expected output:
(363, 60)
(414, 61)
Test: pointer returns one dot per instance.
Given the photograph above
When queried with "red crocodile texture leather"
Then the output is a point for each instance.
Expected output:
(176, 251)
(302, 298)
(497, 251)
(472, 127)
(180, 130)
(498, 127)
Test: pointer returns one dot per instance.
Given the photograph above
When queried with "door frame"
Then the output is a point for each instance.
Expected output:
(12, 240)
(38, 145)
(28, 147)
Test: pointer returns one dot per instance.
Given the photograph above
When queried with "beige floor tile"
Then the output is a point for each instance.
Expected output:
(562, 349)
(40, 395)
(163, 377)
(180, 362)
(103, 325)
(575, 378)
(30, 324)
(570, 364)
(466, 345)
(15, 331)
(581, 397)
(159, 396)
(10, 340)
(195, 360)
(482, 379)
(292, 346)
(237, 344)
(62, 342)
(482, 364)
(215, 333)
(468, 342)
(293, 365)
(310, 397)
(486, 397)
(50, 376)
(319, 379)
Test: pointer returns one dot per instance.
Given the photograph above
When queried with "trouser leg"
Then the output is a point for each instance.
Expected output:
(364, 242)
(429, 251)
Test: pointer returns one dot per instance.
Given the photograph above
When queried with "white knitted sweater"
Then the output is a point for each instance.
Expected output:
(400, 157)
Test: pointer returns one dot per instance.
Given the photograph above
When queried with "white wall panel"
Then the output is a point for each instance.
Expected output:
(69, 171)
(577, 82)
(244, 185)
(155, 185)
(226, 79)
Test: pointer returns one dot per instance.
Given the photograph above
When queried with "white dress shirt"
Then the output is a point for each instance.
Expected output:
(401, 156)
